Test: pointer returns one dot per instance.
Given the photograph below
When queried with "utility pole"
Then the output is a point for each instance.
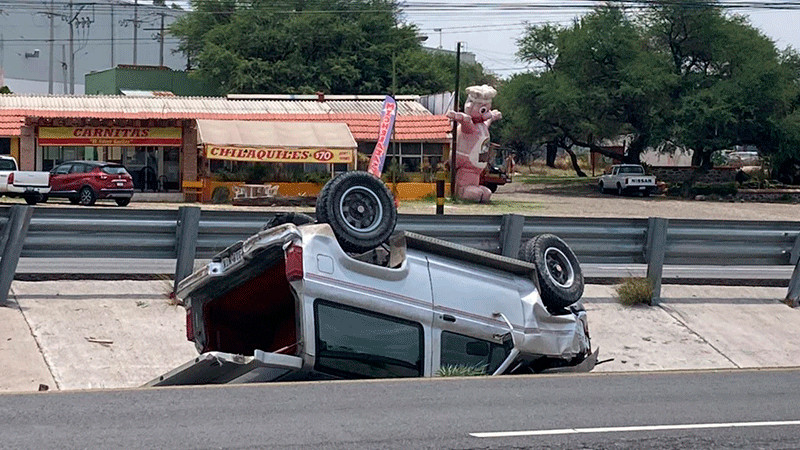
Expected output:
(71, 24)
(50, 62)
(112, 34)
(456, 107)
(135, 27)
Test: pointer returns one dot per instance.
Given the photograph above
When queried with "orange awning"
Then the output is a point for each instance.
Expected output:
(274, 141)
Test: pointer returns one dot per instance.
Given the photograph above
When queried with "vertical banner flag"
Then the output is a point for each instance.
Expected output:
(384, 135)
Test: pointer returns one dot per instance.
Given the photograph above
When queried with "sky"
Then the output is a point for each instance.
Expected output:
(489, 29)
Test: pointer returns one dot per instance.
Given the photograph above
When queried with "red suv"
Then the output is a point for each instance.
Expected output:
(85, 182)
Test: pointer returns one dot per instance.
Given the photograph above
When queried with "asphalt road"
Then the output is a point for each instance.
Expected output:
(730, 409)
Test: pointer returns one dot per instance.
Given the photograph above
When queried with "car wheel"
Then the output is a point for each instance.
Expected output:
(601, 187)
(557, 270)
(87, 197)
(619, 190)
(74, 200)
(359, 208)
(492, 187)
(123, 201)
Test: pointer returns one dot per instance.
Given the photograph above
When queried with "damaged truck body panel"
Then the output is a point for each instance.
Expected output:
(289, 303)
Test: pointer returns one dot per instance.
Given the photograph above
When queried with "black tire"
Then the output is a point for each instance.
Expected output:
(291, 217)
(122, 201)
(33, 199)
(601, 187)
(44, 198)
(86, 196)
(359, 208)
(74, 200)
(557, 270)
(620, 192)
(492, 187)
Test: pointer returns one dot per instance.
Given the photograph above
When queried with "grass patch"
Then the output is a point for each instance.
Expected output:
(635, 291)
(461, 371)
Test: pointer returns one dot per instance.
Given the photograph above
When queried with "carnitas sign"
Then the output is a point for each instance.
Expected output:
(111, 136)
(288, 155)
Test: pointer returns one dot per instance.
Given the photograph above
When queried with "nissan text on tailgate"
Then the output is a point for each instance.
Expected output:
(346, 297)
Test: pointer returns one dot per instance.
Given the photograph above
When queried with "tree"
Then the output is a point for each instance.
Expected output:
(305, 46)
(732, 89)
(682, 75)
(595, 81)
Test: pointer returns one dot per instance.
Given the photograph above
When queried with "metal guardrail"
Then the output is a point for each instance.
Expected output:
(189, 233)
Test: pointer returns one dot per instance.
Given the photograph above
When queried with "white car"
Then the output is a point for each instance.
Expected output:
(290, 303)
(627, 178)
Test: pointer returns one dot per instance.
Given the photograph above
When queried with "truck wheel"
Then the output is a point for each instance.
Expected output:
(557, 270)
(359, 208)
(619, 190)
(44, 198)
(33, 199)
(86, 196)
(601, 187)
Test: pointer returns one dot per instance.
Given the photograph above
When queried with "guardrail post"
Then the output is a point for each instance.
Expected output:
(654, 253)
(511, 234)
(186, 242)
(15, 231)
(793, 295)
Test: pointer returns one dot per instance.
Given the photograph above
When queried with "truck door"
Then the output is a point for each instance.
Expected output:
(466, 332)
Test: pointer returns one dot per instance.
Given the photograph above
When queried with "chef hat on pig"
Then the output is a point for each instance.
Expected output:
(482, 93)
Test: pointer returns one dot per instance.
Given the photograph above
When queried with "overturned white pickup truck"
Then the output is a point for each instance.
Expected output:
(305, 300)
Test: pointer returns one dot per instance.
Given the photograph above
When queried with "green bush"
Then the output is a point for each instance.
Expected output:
(721, 189)
(635, 291)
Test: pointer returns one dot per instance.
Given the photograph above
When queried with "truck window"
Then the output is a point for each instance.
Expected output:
(465, 351)
(355, 343)
(633, 170)
(7, 164)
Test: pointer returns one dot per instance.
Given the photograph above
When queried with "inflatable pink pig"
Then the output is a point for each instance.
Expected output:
(472, 140)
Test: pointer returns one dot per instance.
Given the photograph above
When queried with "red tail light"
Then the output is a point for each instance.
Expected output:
(189, 325)
(10, 178)
(294, 263)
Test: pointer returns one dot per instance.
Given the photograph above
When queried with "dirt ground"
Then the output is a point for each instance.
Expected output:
(581, 200)
(586, 201)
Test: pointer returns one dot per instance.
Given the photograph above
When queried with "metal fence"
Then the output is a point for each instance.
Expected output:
(189, 233)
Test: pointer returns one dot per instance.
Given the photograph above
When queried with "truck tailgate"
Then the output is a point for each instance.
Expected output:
(31, 179)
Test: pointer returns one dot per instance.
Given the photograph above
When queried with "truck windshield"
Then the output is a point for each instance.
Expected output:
(7, 164)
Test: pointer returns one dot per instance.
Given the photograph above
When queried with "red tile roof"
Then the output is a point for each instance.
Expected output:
(364, 127)
(10, 124)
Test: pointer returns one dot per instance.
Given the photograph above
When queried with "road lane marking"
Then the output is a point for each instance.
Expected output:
(690, 426)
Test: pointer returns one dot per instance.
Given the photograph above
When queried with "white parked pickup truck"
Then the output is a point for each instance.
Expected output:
(30, 185)
(328, 300)
(627, 178)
